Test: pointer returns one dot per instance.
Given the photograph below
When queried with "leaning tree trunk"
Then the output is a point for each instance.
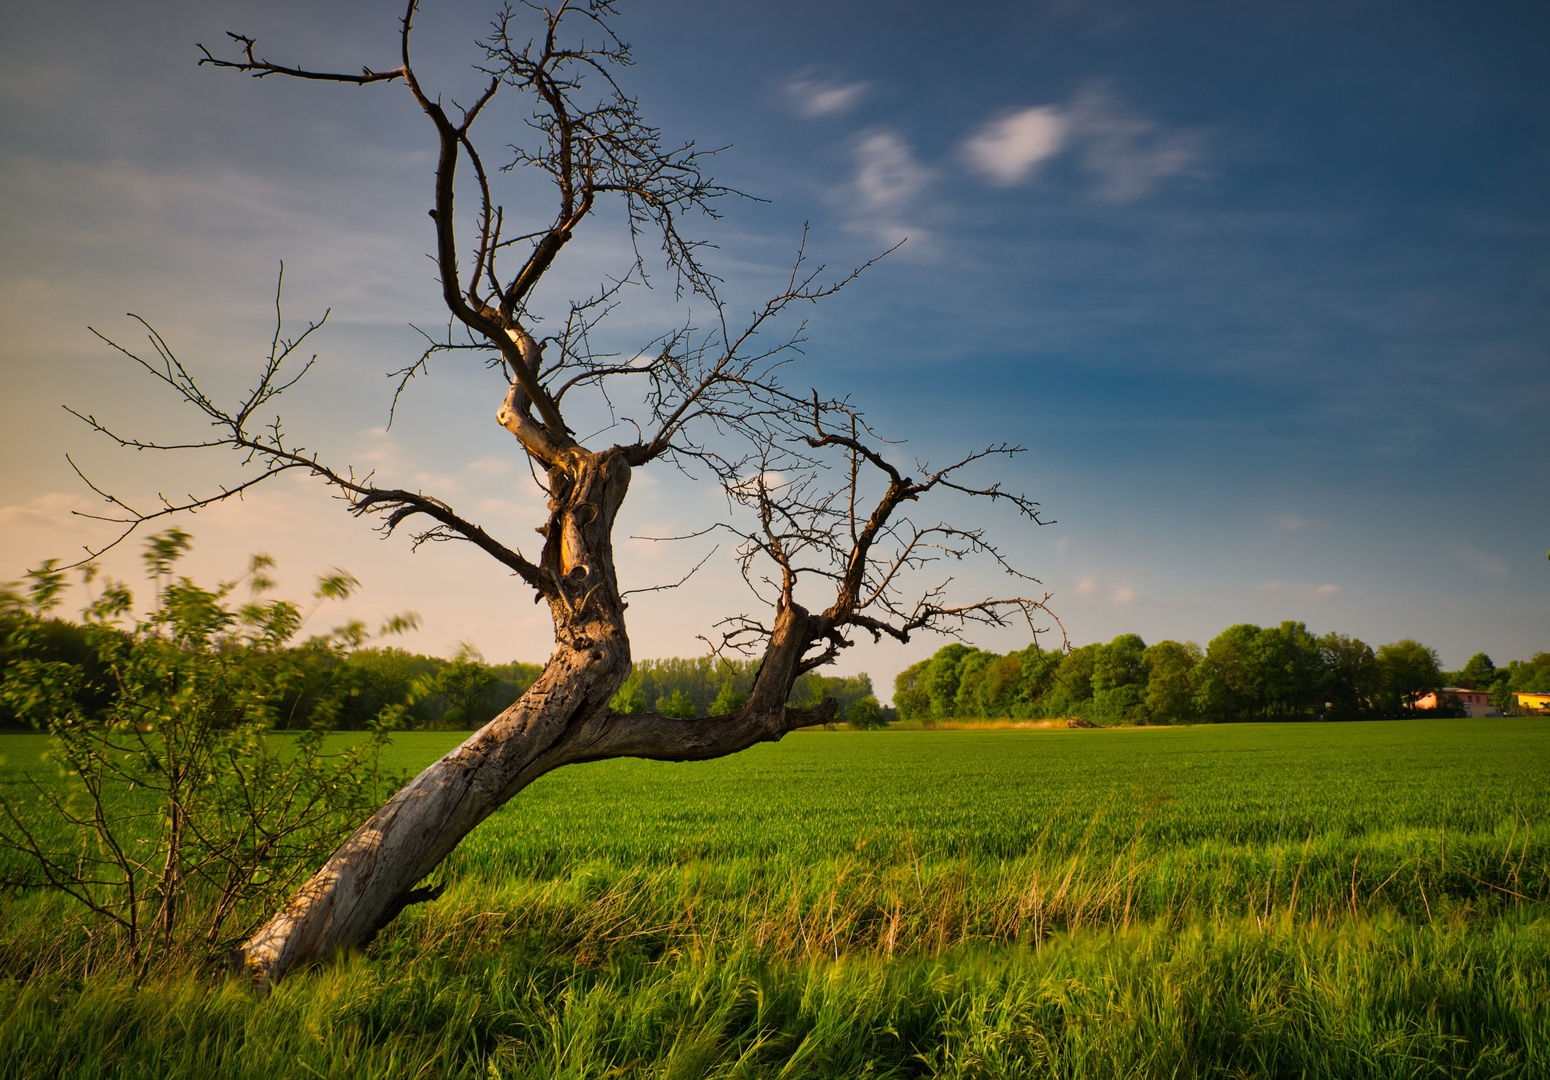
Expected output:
(562, 719)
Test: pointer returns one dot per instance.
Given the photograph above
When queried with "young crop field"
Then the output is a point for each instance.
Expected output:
(1251, 900)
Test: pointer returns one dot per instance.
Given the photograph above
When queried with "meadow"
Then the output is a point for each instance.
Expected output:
(1342, 900)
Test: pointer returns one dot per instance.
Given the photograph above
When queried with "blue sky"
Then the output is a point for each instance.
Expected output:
(1262, 288)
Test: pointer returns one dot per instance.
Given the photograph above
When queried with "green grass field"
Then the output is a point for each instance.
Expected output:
(1257, 900)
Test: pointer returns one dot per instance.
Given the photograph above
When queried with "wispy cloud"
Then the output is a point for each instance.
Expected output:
(1008, 150)
(1302, 591)
(887, 174)
(51, 510)
(1482, 562)
(1127, 154)
(888, 182)
(1123, 595)
(386, 455)
(812, 96)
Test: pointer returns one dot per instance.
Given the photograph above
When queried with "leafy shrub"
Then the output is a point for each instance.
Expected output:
(178, 817)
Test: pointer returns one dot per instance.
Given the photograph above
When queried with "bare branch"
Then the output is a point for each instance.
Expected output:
(269, 448)
(260, 69)
(680, 581)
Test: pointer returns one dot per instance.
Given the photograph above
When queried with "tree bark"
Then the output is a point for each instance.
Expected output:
(562, 719)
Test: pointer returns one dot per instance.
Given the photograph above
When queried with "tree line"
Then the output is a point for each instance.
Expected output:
(710, 686)
(1246, 672)
(355, 685)
(346, 687)
(345, 682)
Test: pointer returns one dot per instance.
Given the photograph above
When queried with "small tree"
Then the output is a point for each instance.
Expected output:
(678, 706)
(728, 699)
(910, 696)
(1351, 684)
(1478, 674)
(1169, 693)
(467, 683)
(818, 510)
(866, 715)
(179, 817)
(1407, 669)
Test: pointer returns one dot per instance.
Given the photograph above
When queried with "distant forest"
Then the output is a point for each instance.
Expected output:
(1246, 673)
(461, 693)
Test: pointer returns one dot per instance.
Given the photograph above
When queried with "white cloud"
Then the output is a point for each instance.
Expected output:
(53, 509)
(812, 97)
(394, 464)
(1008, 150)
(1482, 562)
(1122, 594)
(1127, 154)
(887, 183)
(771, 481)
(490, 466)
(1302, 591)
(1293, 522)
(887, 174)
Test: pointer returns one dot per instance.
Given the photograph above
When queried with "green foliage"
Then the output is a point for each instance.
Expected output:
(1247, 672)
(175, 818)
(1119, 679)
(866, 715)
(1478, 674)
(378, 678)
(706, 686)
(1351, 679)
(943, 675)
(1406, 669)
(630, 698)
(1170, 690)
(909, 692)
(1227, 681)
(1071, 684)
(728, 700)
(846, 690)
(1290, 668)
(1530, 676)
(678, 705)
(469, 686)
(700, 679)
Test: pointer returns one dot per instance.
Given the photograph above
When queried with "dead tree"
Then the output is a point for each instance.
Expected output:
(819, 513)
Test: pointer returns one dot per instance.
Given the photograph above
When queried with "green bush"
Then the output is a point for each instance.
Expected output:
(177, 818)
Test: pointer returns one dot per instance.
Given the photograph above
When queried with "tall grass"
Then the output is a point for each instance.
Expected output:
(1369, 900)
(1218, 998)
